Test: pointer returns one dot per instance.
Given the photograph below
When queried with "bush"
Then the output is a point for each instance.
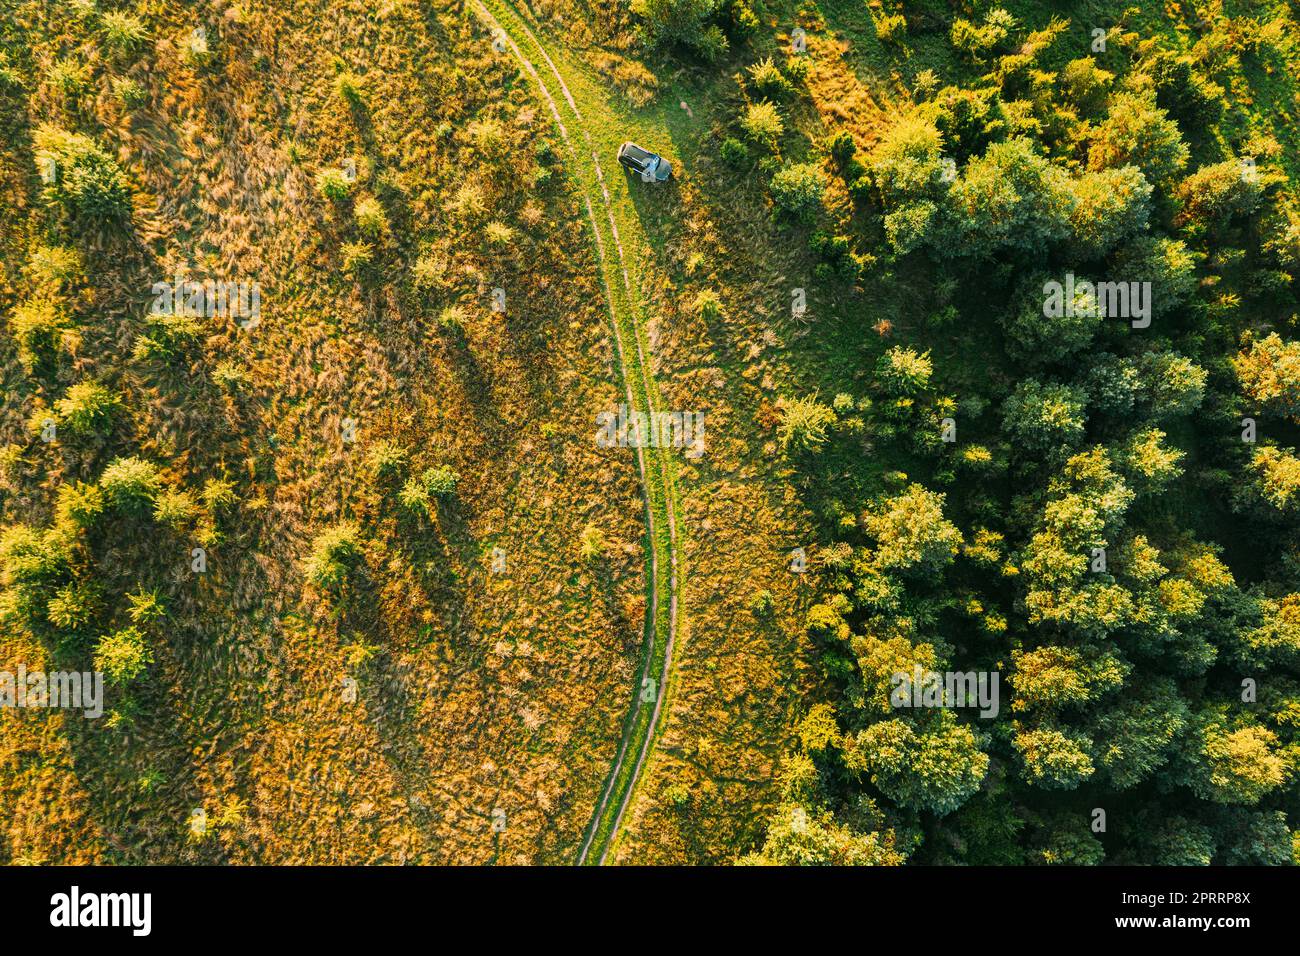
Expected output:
(890, 28)
(124, 34)
(734, 152)
(762, 124)
(87, 409)
(842, 147)
(123, 655)
(130, 484)
(803, 423)
(440, 480)
(334, 185)
(708, 305)
(767, 79)
(334, 554)
(386, 461)
(85, 180)
(592, 544)
(797, 190)
(38, 327)
(129, 93)
(372, 221)
(350, 89)
(79, 505)
(175, 508)
(358, 257)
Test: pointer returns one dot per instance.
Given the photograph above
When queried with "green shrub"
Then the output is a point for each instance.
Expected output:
(333, 185)
(358, 258)
(708, 305)
(890, 28)
(440, 480)
(145, 607)
(123, 655)
(85, 180)
(218, 495)
(79, 505)
(592, 543)
(734, 152)
(797, 190)
(335, 552)
(767, 79)
(762, 603)
(350, 89)
(74, 607)
(762, 123)
(52, 269)
(130, 484)
(88, 409)
(69, 77)
(129, 93)
(386, 460)
(803, 423)
(414, 496)
(38, 327)
(124, 34)
(372, 221)
(175, 508)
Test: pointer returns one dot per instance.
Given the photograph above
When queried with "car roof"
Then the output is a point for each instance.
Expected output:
(636, 152)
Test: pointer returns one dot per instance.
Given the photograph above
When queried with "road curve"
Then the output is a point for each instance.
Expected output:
(638, 736)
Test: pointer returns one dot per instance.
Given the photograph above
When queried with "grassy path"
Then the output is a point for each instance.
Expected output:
(591, 128)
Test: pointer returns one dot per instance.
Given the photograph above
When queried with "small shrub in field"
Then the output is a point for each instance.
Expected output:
(386, 460)
(129, 93)
(82, 178)
(38, 327)
(712, 44)
(74, 607)
(175, 508)
(427, 274)
(167, 337)
(762, 123)
(797, 189)
(804, 422)
(334, 553)
(87, 409)
(708, 305)
(218, 495)
(440, 480)
(130, 484)
(145, 607)
(762, 603)
(372, 221)
(350, 89)
(68, 77)
(79, 505)
(52, 269)
(767, 79)
(891, 28)
(451, 319)
(734, 152)
(124, 34)
(123, 655)
(333, 185)
(414, 496)
(358, 257)
(841, 146)
(498, 234)
(902, 371)
(592, 544)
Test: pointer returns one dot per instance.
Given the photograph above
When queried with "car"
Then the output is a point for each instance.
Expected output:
(651, 167)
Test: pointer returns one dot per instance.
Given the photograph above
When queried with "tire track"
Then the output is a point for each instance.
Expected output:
(665, 485)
